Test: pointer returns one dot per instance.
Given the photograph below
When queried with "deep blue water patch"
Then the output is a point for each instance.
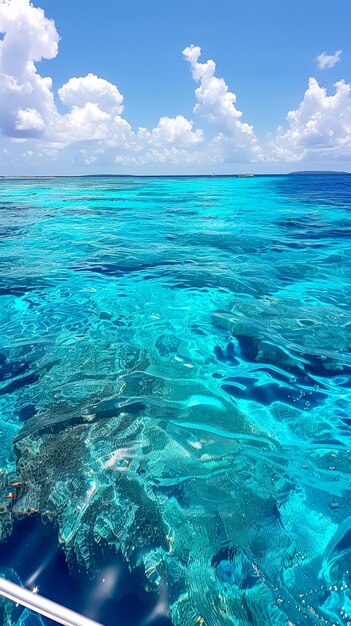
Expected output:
(33, 558)
(175, 385)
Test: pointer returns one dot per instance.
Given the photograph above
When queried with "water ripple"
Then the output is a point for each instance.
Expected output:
(175, 390)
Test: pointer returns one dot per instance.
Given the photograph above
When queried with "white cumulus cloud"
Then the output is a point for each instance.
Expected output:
(319, 127)
(214, 100)
(217, 104)
(172, 130)
(326, 61)
(26, 98)
(29, 119)
(92, 89)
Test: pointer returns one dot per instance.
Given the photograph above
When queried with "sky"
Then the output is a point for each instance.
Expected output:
(186, 87)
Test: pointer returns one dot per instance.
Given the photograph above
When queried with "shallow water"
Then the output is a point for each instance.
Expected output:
(175, 362)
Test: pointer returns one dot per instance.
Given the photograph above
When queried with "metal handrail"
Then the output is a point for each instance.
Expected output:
(41, 605)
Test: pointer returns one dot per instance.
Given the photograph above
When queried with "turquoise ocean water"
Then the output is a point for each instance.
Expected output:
(175, 362)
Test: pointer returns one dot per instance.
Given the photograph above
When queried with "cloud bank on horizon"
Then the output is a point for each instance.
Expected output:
(92, 128)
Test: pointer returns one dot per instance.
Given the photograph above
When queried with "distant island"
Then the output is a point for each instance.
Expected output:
(312, 172)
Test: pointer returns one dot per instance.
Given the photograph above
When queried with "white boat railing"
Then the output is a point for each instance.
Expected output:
(48, 608)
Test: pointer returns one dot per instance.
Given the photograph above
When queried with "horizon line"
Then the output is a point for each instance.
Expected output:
(242, 175)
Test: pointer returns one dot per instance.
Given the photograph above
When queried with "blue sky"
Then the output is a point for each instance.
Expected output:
(265, 53)
(264, 50)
